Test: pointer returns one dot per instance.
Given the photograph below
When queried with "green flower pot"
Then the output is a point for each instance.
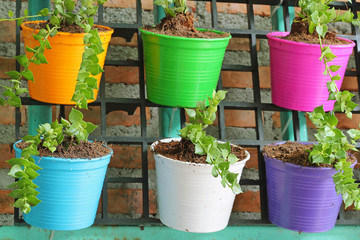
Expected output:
(181, 71)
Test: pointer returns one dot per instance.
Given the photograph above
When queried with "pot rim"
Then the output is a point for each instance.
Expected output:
(143, 31)
(109, 30)
(274, 36)
(69, 159)
(190, 163)
(300, 166)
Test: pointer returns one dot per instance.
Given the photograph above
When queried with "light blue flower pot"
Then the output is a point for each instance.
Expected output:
(69, 189)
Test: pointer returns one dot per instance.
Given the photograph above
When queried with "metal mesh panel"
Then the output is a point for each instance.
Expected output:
(109, 104)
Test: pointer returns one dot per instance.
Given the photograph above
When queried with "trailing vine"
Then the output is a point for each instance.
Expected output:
(218, 154)
(332, 144)
(52, 135)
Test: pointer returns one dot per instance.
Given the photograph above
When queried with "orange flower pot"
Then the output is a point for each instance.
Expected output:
(55, 82)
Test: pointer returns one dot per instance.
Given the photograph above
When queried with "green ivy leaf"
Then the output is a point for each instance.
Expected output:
(13, 74)
(10, 14)
(75, 116)
(94, 69)
(22, 60)
(41, 57)
(28, 74)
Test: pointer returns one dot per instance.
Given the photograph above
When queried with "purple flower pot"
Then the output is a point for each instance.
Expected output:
(301, 198)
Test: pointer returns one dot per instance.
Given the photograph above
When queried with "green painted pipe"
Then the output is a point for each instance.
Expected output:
(169, 118)
(287, 127)
(38, 114)
(267, 232)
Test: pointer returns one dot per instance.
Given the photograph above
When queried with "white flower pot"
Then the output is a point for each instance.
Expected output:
(189, 197)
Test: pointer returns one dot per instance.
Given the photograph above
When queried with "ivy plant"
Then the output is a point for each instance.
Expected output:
(49, 136)
(217, 154)
(332, 144)
(67, 132)
(62, 14)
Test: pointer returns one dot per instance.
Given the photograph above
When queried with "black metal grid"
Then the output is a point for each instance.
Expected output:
(109, 104)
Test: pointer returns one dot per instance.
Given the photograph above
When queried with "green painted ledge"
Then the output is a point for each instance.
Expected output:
(159, 233)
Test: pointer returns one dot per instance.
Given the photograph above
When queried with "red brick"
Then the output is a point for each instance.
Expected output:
(347, 123)
(349, 83)
(235, 8)
(6, 154)
(7, 115)
(244, 79)
(276, 120)
(127, 75)
(6, 65)
(247, 202)
(240, 118)
(7, 30)
(129, 201)
(241, 44)
(122, 41)
(253, 161)
(129, 157)
(5, 202)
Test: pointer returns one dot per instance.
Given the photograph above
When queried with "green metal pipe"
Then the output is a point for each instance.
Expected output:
(169, 118)
(38, 114)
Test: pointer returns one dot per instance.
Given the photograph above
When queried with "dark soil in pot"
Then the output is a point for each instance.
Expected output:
(184, 150)
(63, 27)
(182, 25)
(68, 149)
(300, 33)
(296, 153)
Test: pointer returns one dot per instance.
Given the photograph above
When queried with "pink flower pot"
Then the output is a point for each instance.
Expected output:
(297, 82)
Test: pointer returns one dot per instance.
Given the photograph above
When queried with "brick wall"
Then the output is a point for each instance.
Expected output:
(126, 199)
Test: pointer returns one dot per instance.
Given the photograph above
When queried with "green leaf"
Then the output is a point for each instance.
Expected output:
(236, 188)
(13, 74)
(232, 158)
(10, 14)
(54, 20)
(42, 32)
(91, 21)
(28, 74)
(224, 153)
(22, 60)
(14, 170)
(199, 149)
(94, 69)
(33, 201)
(18, 161)
(75, 116)
(19, 21)
(44, 12)
(214, 172)
(91, 82)
(41, 58)
(90, 127)
(29, 49)
(31, 173)
(17, 193)
(334, 68)
(190, 112)
(69, 5)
